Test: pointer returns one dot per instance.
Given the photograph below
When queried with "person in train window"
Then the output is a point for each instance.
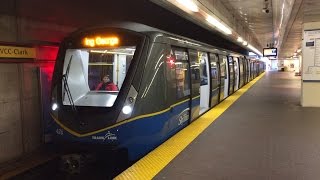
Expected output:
(180, 76)
(106, 85)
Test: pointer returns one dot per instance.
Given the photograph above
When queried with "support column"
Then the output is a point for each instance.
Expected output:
(310, 96)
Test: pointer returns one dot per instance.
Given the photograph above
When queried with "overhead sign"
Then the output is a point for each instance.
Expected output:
(270, 52)
(101, 41)
(311, 55)
(17, 52)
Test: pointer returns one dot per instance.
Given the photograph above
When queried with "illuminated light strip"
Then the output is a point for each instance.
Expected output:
(150, 165)
(120, 53)
(111, 52)
(219, 25)
(255, 50)
(100, 64)
(189, 4)
(240, 39)
(282, 14)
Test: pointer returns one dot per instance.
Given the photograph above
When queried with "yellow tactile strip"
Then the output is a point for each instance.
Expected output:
(156, 160)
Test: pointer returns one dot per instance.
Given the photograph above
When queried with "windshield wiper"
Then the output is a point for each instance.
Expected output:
(66, 86)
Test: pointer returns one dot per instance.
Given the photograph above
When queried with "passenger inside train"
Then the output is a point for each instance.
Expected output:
(106, 84)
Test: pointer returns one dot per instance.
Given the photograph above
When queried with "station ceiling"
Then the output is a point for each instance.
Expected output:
(282, 26)
(82, 13)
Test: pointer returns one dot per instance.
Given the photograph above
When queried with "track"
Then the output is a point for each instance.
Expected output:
(106, 168)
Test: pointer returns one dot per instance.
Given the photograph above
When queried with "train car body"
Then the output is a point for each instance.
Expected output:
(163, 82)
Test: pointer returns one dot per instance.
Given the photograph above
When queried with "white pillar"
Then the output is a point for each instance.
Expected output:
(310, 96)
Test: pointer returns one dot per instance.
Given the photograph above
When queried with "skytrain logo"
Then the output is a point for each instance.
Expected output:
(108, 136)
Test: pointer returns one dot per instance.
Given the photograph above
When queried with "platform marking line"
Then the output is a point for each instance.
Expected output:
(151, 164)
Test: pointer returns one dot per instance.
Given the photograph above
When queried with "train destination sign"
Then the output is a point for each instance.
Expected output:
(17, 52)
(270, 52)
(101, 41)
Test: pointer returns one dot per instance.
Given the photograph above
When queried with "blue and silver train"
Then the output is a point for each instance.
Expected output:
(163, 83)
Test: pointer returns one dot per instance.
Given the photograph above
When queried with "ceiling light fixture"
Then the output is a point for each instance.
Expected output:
(298, 50)
(245, 43)
(219, 25)
(189, 4)
(240, 39)
(255, 50)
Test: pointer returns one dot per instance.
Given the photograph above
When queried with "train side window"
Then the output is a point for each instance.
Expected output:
(230, 58)
(195, 73)
(202, 62)
(214, 67)
(181, 72)
(223, 67)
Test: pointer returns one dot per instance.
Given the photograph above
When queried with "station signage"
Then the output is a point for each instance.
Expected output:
(101, 41)
(17, 52)
(270, 52)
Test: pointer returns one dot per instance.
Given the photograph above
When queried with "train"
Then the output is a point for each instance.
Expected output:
(161, 82)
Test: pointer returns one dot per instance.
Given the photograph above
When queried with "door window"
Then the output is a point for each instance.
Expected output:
(179, 63)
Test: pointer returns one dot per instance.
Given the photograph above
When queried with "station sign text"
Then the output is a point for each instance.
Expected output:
(101, 41)
(17, 52)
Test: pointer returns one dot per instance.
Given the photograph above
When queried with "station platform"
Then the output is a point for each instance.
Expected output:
(265, 134)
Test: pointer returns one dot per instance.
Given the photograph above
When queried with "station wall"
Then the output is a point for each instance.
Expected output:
(21, 119)
(21, 111)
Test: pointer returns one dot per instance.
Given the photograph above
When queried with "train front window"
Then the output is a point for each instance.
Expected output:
(94, 76)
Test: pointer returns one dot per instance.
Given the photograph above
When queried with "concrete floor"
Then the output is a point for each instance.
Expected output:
(265, 135)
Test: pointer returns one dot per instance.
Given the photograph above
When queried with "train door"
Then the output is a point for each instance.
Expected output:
(195, 84)
(178, 87)
(247, 69)
(215, 81)
(203, 60)
(251, 70)
(236, 73)
(224, 77)
(231, 74)
(242, 72)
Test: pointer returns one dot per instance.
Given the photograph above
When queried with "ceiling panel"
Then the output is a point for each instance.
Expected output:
(259, 22)
(293, 36)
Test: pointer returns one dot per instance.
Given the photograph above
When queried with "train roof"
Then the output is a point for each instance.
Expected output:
(133, 26)
(141, 28)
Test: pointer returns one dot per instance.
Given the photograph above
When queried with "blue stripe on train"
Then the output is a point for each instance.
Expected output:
(139, 136)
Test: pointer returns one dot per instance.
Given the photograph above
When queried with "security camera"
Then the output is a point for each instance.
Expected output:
(265, 10)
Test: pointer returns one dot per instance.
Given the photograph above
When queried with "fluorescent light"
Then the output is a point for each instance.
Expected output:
(245, 43)
(255, 50)
(98, 51)
(219, 25)
(240, 39)
(130, 54)
(189, 4)
(252, 54)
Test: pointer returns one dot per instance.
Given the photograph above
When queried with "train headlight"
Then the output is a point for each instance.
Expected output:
(54, 106)
(127, 109)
